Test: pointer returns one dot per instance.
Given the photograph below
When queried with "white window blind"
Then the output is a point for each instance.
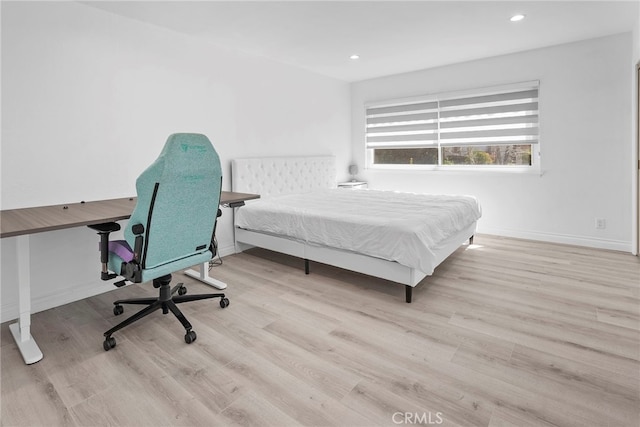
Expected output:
(499, 117)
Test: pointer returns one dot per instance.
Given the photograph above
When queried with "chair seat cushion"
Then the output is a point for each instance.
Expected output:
(122, 249)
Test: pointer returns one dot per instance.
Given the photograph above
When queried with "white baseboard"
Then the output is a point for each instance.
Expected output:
(227, 250)
(9, 311)
(592, 242)
(55, 299)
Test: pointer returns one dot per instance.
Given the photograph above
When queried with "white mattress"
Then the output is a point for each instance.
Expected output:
(401, 227)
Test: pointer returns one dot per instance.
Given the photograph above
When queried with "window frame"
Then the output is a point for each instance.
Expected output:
(535, 166)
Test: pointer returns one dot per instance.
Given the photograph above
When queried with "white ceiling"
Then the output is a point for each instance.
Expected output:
(390, 36)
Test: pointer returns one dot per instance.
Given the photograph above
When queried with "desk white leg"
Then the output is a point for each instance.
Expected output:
(204, 277)
(21, 330)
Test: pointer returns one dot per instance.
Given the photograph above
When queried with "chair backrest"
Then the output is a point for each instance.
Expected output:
(178, 197)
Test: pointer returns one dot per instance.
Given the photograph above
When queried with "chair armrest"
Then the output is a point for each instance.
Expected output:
(103, 230)
(106, 227)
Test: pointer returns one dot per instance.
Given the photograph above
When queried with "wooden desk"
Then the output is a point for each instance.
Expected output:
(18, 222)
(21, 223)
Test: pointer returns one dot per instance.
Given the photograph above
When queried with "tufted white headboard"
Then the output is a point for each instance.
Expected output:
(270, 176)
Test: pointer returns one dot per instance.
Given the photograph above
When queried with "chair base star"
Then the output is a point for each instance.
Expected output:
(167, 300)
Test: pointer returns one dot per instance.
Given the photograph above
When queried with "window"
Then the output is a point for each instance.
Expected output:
(495, 128)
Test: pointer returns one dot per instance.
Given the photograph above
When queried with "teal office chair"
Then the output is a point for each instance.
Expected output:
(171, 228)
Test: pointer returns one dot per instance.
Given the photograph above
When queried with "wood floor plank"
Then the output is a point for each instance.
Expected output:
(571, 383)
(281, 389)
(625, 318)
(509, 417)
(255, 410)
(29, 398)
(387, 408)
(545, 335)
(393, 368)
(581, 320)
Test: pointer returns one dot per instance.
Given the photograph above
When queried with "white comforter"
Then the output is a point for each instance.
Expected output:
(401, 227)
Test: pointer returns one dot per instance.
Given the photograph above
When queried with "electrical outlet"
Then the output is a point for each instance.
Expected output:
(601, 223)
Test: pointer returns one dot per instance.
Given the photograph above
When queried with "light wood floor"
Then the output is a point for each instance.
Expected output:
(505, 333)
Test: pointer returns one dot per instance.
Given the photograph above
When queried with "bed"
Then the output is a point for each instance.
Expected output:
(379, 233)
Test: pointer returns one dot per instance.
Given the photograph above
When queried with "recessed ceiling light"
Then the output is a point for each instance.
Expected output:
(516, 18)
(354, 57)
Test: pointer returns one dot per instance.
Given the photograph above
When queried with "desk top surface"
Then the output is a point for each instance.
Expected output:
(16, 222)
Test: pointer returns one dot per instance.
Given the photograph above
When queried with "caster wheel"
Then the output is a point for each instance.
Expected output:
(182, 290)
(118, 310)
(190, 337)
(224, 302)
(109, 343)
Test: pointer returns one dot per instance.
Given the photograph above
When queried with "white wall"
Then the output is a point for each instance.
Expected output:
(88, 100)
(585, 142)
(635, 144)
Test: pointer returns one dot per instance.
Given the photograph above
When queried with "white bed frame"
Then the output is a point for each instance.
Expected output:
(271, 176)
